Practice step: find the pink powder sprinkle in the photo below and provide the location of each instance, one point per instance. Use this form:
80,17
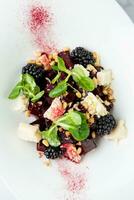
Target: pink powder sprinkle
75,180
39,21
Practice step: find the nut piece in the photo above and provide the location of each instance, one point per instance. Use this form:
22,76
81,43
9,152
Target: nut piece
97,59
67,133
95,81
55,57
60,129
93,135
91,120
31,61
79,150
78,94
65,105
66,49
91,68
27,113
47,162
45,142
78,143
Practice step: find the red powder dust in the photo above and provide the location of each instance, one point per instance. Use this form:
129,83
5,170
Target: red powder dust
39,22
75,180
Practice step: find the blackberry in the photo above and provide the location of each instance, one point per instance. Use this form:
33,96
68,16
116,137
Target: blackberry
54,152
81,56
35,71
105,124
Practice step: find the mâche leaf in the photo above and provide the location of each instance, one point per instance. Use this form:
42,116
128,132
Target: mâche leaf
28,87
80,76
37,96
51,136
15,91
59,89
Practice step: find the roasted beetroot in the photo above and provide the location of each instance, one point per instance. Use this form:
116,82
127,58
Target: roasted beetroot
65,55
88,145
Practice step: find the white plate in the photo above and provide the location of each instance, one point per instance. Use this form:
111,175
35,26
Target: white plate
98,25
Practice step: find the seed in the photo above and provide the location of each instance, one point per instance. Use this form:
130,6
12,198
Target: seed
91,120
27,113
38,63
70,104
91,68
95,81
45,142
79,150
31,61
52,63
60,129
97,58
78,94
47,162
105,91
55,57
111,97
50,56
65,105
107,103
79,143
87,115
66,49
83,93
67,133
37,53
93,135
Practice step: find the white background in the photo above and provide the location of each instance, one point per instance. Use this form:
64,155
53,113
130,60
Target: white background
5,193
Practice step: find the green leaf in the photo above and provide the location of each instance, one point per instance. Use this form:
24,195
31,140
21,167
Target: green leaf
36,89
83,131
16,91
86,83
51,136
61,65
80,76
80,71
75,122
58,90
55,67
28,79
37,96
56,78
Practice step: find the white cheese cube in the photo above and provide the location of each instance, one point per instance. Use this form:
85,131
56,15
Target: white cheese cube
94,105
21,103
29,132
104,77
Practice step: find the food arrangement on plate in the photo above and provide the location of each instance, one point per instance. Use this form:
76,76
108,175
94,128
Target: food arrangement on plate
70,95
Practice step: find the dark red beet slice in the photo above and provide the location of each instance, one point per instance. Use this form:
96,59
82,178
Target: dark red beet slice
88,145
40,146
65,140
43,123
65,55
36,109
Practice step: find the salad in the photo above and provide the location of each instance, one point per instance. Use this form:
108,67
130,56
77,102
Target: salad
69,93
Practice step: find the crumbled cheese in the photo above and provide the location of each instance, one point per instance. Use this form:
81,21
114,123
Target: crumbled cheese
104,77
94,105
55,110
21,103
82,70
119,133
29,132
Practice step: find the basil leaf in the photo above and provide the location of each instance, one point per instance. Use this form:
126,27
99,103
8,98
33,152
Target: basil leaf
61,65
83,131
56,78
51,136
58,90
86,83
37,96
16,91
